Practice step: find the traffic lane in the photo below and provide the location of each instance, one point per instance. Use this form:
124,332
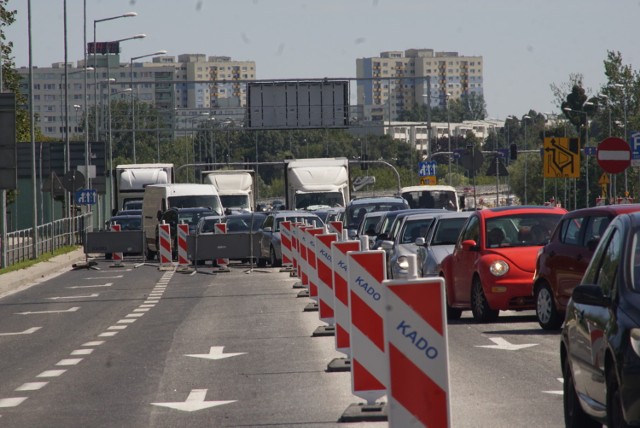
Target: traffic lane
499,387
279,380
52,356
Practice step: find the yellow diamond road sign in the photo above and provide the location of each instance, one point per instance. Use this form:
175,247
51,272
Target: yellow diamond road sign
561,157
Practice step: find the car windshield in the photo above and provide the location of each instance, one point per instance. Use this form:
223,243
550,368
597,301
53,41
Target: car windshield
355,213
191,218
520,230
414,229
447,230
208,224
235,201
128,223
208,201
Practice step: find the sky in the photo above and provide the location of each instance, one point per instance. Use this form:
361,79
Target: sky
526,45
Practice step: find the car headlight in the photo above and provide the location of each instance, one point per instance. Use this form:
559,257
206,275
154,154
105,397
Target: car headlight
499,268
403,262
634,337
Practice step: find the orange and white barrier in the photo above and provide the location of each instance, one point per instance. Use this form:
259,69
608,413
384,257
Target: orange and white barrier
417,349
223,262
369,367
164,252
183,258
302,254
335,227
116,257
342,317
285,240
325,277
312,271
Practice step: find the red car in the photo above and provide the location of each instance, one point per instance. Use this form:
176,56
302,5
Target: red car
493,262
562,262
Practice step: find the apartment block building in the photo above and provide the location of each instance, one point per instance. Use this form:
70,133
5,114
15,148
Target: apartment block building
180,88
397,81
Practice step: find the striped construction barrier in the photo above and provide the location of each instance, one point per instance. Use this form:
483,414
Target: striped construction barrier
369,368
342,317
183,258
285,240
312,271
116,257
164,240
223,263
303,267
324,269
335,227
417,347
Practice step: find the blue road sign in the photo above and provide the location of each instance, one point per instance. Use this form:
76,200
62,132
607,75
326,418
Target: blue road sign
86,197
503,153
427,168
590,151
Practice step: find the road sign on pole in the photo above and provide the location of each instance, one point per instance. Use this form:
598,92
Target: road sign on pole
635,148
614,155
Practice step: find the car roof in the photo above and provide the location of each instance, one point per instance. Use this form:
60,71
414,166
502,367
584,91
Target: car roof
125,216
520,209
605,209
375,199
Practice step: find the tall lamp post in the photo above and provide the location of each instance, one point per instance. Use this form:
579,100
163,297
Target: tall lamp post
447,95
95,64
624,88
133,105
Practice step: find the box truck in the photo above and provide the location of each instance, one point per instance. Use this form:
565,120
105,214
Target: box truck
236,188
317,183
130,181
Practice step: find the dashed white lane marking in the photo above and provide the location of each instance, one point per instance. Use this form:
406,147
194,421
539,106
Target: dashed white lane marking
108,284
93,343
86,351
117,327
108,334
127,321
147,306
139,314
11,402
69,362
141,310
31,386
51,373
104,277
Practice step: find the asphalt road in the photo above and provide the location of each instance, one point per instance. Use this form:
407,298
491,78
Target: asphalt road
140,347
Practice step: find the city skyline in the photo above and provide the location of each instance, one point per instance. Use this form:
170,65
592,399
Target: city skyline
526,48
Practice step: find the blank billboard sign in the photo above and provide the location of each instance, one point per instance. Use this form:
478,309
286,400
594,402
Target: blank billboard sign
8,146
306,104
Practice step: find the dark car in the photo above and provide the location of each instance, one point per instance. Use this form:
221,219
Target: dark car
600,347
190,216
492,264
356,209
126,222
244,222
563,260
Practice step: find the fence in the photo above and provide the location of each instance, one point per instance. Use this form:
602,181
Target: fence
51,236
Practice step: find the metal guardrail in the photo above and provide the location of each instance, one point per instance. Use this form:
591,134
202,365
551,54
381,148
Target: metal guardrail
51,236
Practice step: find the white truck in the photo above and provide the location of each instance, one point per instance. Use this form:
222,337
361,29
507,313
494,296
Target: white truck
235,187
316,183
131,180
431,196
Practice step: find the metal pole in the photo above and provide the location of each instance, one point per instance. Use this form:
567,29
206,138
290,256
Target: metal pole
32,129
133,115
3,192
84,103
449,138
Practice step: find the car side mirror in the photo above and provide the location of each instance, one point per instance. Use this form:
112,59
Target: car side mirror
420,241
469,245
386,245
589,294
353,234
267,229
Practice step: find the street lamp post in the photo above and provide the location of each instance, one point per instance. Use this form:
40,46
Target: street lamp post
133,106
448,136
624,89
95,64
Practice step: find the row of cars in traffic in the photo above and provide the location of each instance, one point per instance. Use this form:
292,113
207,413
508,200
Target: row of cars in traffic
579,270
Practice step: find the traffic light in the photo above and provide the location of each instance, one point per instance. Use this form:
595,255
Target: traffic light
513,151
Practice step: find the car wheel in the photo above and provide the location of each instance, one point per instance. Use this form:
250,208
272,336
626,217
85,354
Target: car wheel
480,308
615,417
273,260
546,311
574,416
453,313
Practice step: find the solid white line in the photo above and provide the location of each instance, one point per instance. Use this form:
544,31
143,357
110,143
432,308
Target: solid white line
51,373
69,362
94,343
11,402
105,277
82,351
108,334
31,386
108,284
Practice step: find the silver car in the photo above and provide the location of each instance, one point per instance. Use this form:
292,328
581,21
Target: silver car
413,226
439,242
269,234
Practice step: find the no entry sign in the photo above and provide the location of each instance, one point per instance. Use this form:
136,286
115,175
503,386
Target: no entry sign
614,155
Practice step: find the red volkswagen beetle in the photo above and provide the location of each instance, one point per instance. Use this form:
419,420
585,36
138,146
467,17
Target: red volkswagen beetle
493,262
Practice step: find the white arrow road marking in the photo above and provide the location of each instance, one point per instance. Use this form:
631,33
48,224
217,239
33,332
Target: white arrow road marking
195,401
216,353
27,331
561,392
74,309
74,297
501,343
108,284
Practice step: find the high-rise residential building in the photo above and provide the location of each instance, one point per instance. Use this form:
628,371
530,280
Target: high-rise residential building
181,89
397,81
